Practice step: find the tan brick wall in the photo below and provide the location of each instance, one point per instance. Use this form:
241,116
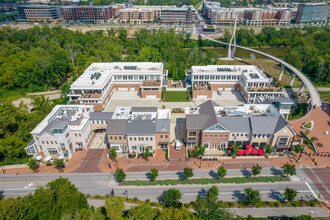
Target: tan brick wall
284,132
144,93
123,140
158,139
98,126
218,139
202,92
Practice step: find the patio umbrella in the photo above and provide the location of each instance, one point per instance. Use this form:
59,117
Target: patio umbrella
254,151
261,152
240,152
248,147
38,157
246,151
48,158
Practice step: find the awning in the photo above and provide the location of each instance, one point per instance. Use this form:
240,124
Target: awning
282,147
239,143
163,143
191,142
246,143
262,144
230,143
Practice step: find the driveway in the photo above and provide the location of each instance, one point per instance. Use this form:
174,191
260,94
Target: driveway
90,163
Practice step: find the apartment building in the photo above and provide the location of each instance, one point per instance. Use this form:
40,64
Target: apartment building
133,129
309,12
88,14
218,127
257,17
137,15
39,13
219,16
63,131
183,15
248,80
100,80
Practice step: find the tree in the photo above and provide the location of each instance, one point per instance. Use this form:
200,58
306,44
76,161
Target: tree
113,153
146,153
222,172
120,175
32,164
289,169
253,196
234,149
9,208
144,211
176,213
290,194
268,149
154,174
298,148
172,197
199,152
59,164
115,206
188,172
256,169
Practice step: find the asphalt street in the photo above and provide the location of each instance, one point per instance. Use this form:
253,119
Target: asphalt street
99,184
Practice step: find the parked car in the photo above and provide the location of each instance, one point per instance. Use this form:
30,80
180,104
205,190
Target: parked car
219,92
177,145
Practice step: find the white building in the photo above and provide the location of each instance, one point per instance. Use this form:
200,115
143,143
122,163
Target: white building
64,130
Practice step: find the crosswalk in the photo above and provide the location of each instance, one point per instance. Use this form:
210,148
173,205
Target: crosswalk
268,164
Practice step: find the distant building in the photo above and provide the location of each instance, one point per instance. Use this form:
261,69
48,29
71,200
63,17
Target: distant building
185,15
257,17
38,13
63,131
308,12
138,15
89,14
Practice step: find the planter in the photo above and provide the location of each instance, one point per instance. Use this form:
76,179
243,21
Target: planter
308,125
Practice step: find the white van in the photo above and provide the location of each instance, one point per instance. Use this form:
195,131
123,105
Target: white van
177,145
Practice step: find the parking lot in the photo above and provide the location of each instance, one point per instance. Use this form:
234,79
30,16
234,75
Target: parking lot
131,98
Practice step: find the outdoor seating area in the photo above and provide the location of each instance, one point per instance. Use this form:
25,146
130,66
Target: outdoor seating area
202,87
249,150
176,84
151,83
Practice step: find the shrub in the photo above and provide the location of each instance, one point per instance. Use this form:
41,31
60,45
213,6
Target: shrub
120,175
188,172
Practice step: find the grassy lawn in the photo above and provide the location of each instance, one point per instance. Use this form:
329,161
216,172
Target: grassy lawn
325,96
176,96
167,182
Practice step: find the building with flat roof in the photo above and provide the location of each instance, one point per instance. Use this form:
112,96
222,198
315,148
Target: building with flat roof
248,80
257,17
174,15
133,129
63,131
39,13
219,127
310,12
88,14
100,80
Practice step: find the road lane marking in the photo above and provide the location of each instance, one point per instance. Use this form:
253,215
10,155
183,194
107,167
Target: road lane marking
30,184
33,181
312,191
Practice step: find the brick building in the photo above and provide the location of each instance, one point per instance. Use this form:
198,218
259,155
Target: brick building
39,13
185,14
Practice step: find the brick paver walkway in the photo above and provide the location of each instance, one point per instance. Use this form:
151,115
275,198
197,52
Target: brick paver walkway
321,179
90,162
177,154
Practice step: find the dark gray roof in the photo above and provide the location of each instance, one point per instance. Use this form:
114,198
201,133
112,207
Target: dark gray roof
196,121
100,115
163,125
267,124
141,127
116,127
207,108
144,109
55,124
236,124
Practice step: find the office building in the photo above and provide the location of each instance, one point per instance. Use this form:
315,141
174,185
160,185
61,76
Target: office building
183,15
65,130
39,13
88,14
100,80
310,13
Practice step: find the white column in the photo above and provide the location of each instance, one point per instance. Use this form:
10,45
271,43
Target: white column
292,78
282,70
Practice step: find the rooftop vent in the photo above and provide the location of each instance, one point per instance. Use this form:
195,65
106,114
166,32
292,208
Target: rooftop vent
130,67
223,69
254,76
97,75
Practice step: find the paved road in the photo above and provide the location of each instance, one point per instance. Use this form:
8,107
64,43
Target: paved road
320,89
315,97
99,184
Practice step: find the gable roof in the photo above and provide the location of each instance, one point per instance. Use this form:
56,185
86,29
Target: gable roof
237,124
116,127
267,124
207,108
196,121
163,125
141,127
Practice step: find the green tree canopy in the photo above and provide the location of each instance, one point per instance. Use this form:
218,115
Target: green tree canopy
172,197
222,172
115,207
120,175
253,196
290,194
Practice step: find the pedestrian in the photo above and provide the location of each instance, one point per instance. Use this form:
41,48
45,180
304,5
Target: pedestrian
109,164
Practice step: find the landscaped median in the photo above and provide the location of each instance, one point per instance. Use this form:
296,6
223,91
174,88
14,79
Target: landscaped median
236,180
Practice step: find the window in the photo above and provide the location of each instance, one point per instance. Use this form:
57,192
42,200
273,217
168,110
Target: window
220,136
206,145
205,135
214,145
210,135
47,142
142,138
75,135
134,138
192,133
124,138
119,137
62,144
139,138
52,151
215,135
241,135
130,138
115,137
79,135
110,137
51,142
245,135
161,136
226,135
150,138
222,146
42,142
146,138
282,141
55,142
116,147
233,135
166,136
133,148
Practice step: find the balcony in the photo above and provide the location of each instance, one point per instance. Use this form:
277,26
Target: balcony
264,89
202,87
91,96
151,83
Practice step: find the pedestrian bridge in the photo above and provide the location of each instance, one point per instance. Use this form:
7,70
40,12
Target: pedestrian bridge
314,95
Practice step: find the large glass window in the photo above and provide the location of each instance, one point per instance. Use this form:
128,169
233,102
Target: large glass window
52,151
282,141
192,134
206,145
